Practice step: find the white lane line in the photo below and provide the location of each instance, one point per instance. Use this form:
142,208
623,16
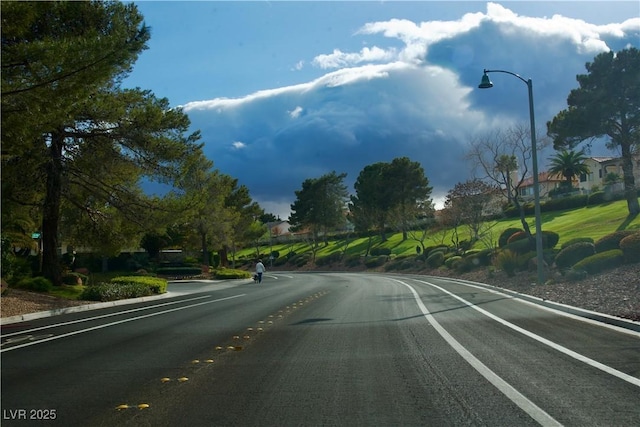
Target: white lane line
106,325
515,295
609,370
102,316
507,389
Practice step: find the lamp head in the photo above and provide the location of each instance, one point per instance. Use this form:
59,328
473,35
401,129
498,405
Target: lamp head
485,83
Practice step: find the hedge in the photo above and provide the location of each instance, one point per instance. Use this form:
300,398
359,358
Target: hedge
155,284
612,241
576,240
435,259
630,246
230,273
600,261
570,255
506,234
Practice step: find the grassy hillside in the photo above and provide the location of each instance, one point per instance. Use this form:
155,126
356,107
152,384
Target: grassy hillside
594,222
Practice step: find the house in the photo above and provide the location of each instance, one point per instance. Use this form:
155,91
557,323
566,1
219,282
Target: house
599,168
546,182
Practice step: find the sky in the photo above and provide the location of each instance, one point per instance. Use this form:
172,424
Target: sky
284,91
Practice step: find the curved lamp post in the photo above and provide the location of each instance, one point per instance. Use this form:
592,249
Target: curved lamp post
486,84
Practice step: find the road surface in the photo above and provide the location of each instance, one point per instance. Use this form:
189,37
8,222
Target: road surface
331,349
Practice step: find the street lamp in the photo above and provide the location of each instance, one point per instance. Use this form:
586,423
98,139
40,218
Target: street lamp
486,84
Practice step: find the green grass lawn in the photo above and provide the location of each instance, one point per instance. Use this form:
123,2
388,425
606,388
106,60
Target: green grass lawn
594,222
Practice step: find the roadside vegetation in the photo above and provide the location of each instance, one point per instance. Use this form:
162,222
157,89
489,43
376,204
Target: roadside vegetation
77,148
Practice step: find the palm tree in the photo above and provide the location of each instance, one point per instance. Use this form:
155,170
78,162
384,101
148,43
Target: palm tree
569,164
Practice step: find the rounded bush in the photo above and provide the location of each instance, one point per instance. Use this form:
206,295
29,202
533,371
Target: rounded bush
576,240
504,236
601,261
570,255
376,261
612,241
435,259
451,261
37,284
630,246
549,239
380,251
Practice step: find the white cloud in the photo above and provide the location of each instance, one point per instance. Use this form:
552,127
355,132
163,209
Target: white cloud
340,59
418,100
296,112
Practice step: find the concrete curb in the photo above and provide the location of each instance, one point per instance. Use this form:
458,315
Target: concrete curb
96,306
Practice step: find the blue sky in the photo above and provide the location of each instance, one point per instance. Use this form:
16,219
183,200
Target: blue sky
285,91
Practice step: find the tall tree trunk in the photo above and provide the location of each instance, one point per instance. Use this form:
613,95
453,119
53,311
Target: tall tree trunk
51,267
630,192
205,250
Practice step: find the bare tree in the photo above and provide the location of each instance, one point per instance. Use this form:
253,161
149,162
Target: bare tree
493,156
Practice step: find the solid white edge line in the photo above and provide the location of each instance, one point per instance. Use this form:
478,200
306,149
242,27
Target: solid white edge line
607,369
102,316
106,325
507,389
520,297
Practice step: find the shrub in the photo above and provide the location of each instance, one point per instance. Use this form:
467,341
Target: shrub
352,261
452,261
375,261
280,261
179,271
597,198
230,273
612,241
155,284
630,246
74,279
480,258
37,284
506,234
329,259
576,240
570,255
601,261
519,243
441,249
507,261
115,291
549,239
435,259
380,251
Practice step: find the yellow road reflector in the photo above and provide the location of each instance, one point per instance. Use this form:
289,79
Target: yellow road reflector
183,379
247,337
209,360
195,361
218,347
249,329
236,337
238,348
231,347
261,322
121,407
143,406
165,379
260,329
270,322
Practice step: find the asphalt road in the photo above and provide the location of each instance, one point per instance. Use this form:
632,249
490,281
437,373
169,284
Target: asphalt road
321,349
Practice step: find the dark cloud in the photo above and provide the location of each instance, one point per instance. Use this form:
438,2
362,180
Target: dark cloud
425,107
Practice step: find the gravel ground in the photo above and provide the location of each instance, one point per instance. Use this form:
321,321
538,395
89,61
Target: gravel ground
616,292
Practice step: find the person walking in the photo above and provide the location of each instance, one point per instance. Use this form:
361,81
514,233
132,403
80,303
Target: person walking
259,270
